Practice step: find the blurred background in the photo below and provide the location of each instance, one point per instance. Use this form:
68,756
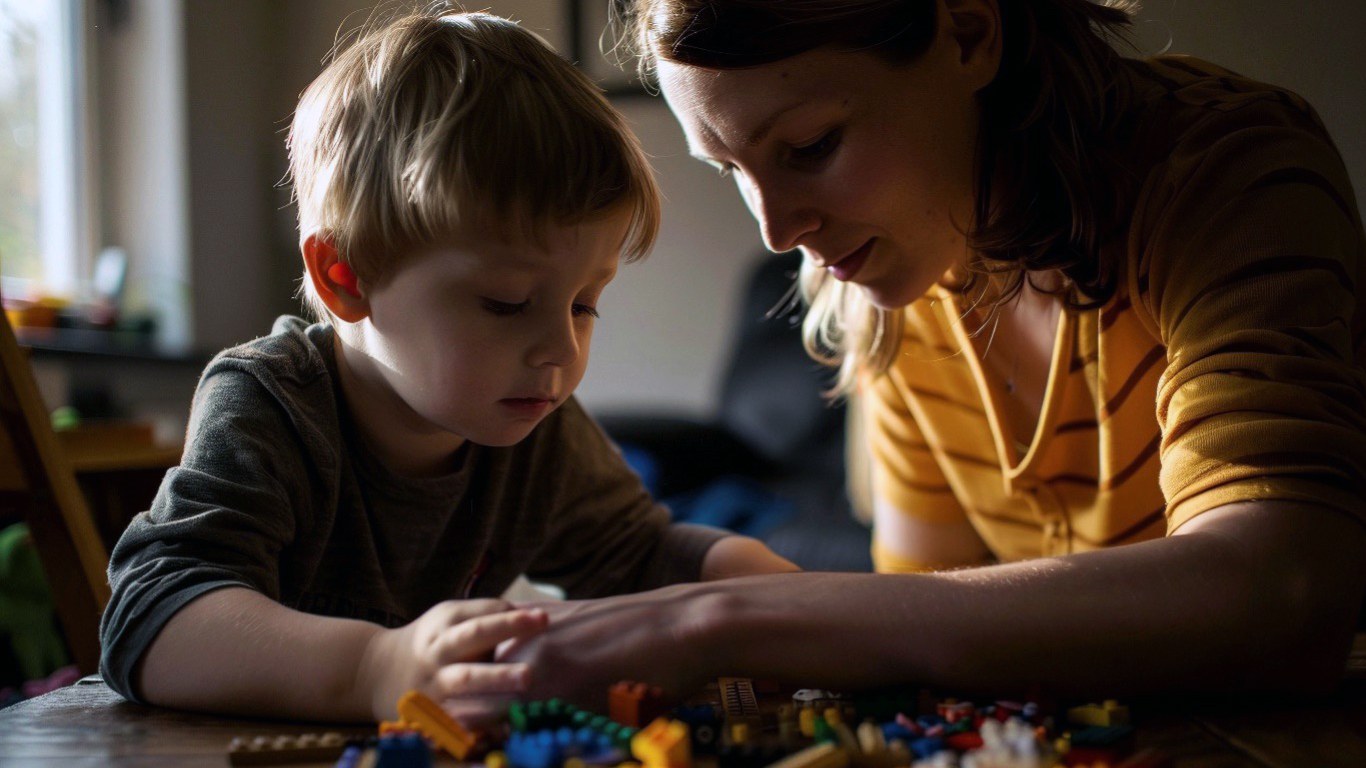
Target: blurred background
142,146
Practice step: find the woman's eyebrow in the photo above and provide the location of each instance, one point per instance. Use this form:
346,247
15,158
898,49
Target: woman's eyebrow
762,130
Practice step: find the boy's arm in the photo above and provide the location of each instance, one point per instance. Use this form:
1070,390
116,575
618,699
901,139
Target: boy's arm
236,651
742,556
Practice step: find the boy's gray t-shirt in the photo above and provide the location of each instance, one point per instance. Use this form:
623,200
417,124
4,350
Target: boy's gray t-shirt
277,492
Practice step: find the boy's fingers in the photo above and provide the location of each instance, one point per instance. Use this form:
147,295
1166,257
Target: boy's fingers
479,712
481,680
464,610
477,637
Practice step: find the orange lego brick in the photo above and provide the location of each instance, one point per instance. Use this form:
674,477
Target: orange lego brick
428,718
635,704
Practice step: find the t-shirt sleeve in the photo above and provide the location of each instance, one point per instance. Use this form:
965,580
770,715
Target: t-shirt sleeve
1251,277
219,519
607,535
906,478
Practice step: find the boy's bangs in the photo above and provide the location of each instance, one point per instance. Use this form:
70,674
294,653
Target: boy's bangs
520,166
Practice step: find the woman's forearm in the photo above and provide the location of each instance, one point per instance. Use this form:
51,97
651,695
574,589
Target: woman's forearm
1219,609
237,651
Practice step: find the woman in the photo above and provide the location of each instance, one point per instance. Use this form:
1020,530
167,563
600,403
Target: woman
1104,318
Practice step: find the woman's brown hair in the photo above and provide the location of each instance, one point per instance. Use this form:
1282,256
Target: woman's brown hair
1046,188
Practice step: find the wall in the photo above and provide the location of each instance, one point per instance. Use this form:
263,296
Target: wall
1314,49
666,322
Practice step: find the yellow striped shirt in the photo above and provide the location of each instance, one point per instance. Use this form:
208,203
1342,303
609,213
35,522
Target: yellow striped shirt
1229,366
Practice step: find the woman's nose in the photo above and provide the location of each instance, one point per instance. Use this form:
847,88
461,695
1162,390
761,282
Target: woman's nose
784,219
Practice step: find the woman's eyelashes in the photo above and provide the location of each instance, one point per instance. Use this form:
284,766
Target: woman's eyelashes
804,156
817,151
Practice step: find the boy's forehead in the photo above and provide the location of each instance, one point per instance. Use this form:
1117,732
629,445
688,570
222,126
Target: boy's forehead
512,250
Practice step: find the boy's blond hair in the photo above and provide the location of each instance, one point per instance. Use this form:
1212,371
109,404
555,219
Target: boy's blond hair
441,120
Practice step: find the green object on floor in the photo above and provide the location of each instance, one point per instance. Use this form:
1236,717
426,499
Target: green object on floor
27,614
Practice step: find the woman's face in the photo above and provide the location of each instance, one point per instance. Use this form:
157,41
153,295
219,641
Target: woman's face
865,166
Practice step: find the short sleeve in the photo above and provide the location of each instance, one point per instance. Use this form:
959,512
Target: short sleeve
1252,276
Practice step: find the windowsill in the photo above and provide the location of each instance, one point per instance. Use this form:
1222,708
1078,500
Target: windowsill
115,345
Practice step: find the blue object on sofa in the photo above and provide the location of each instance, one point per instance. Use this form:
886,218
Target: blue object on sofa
775,446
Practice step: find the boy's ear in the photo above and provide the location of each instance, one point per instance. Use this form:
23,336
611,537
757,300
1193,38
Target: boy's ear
975,26
333,280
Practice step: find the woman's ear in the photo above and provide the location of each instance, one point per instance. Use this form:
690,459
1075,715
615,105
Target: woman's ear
333,281
975,26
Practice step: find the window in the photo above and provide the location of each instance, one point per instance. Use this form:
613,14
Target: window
44,238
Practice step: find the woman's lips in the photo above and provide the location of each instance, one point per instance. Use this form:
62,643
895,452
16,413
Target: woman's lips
847,267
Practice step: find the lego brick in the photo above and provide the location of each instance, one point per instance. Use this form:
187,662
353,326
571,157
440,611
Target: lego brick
428,718
738,700
663,744
1109,712
816,756
285,750
407,750
634,704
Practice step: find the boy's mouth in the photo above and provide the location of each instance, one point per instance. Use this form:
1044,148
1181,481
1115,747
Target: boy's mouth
527,406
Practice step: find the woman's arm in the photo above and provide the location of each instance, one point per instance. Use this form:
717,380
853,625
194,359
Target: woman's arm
1254,595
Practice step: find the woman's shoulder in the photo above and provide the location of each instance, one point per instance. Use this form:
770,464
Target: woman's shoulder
1195,82
1185,102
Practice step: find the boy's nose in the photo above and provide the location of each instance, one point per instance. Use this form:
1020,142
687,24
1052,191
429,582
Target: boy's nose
557,346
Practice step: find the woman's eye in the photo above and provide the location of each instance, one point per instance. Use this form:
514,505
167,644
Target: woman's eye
725,170
502,308
816,150
583,310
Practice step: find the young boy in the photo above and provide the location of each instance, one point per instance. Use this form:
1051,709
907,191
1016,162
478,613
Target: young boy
348,488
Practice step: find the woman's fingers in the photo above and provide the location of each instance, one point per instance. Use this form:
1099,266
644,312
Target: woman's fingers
477,637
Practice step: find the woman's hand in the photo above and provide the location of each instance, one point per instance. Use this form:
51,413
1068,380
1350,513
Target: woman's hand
447,653
653,637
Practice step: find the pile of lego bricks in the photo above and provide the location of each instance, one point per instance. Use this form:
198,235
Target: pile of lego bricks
741,724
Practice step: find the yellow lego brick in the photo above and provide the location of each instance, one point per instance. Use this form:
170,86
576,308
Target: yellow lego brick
806,719
817,756
1108,713
663,744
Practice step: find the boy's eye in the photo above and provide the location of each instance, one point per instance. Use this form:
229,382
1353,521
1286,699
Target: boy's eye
583,310
502,308
816,150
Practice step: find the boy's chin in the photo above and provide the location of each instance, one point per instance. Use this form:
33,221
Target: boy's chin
503,437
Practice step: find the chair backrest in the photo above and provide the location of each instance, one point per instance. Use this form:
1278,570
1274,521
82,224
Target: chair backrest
36,477
771,393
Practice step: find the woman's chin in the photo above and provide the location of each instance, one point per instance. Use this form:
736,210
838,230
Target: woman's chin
893,297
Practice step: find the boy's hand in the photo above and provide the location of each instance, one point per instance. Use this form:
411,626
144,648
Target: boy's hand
742,556
447,653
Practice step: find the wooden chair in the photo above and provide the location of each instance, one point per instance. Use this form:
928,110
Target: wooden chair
36,477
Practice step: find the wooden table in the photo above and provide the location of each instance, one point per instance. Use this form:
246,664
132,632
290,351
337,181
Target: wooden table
87,724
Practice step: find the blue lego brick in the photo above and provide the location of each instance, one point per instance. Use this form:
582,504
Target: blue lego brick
408,750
